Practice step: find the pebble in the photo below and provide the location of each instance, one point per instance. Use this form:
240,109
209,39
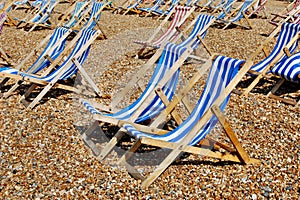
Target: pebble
42,155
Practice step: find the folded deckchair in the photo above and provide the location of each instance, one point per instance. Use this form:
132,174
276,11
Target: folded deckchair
287,70
287,41
149,104
236,16
74,15
186,137
60,69
52,50
288,13
42,18
181,13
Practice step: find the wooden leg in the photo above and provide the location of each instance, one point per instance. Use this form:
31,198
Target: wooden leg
88,141
11,90
230,133
110,145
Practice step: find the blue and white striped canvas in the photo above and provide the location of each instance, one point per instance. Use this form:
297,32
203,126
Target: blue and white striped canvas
169,56
70,67
221,73
241,12
94,16
288,31
41,61
76,14
289,68
227,7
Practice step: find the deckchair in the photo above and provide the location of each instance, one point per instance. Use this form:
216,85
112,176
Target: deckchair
3,54
148,104
181,13
287,70
75,14
147,11
132,7
225,9
259,7
6,8
91,17
67,68
42,18
236,17
213,8
208,111
165,9
52,50
289,12
287,41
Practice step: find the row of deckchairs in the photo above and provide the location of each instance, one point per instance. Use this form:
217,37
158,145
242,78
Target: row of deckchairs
159,100
79,15
57,63
191,134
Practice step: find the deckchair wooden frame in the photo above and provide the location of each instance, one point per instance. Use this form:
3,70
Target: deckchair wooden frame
109,146
54,82
32,53
260,7
238,155
271,65
84,19
9,20
66,17
40,12
149,64
276,87
3,54
247,20
161,26
289,11
127,10
292,16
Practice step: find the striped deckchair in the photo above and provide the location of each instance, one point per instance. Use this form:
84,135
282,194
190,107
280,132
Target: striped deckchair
236,17
91,17
287,70
42,18
166,8
149,104
288,13
53,49
130,8
186,137
56,71
75,16
259,7
225,9
181,13
155,8
287,41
